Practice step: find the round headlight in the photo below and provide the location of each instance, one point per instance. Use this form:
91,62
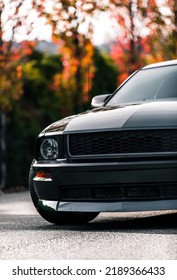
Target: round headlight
49,149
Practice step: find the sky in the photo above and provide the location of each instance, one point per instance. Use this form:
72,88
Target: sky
103,26
105,29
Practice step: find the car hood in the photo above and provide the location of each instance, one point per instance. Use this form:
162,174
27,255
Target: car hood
142,115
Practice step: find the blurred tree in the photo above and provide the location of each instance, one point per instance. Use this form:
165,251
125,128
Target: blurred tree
39,106
68,19
168,44
161,24
105,76
11,19
173,45
139,23
42,104
39,92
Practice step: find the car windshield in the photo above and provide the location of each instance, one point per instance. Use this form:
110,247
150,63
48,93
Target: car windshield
148,84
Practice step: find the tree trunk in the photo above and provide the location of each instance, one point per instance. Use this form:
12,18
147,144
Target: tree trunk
175,29
3,151
132,54
78,102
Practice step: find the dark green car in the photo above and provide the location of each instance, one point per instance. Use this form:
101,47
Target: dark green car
120,156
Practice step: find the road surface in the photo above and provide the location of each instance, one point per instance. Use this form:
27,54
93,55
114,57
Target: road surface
25,235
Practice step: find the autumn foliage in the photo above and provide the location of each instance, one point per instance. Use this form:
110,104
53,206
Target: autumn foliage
11,53
37,89
66,18
146,33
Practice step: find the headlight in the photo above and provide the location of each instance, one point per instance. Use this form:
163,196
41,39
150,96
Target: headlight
49,148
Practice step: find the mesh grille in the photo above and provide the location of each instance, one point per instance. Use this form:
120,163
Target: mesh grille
123,142
120,192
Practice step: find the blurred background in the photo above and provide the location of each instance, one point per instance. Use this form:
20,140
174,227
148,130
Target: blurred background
55,55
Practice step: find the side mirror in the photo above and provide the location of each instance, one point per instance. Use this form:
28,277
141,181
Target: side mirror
99,100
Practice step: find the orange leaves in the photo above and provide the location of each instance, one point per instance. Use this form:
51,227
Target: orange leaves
55,39
69,64
142,34
66,18
14,18
122,78
88,55
75,80
11,74
10,84
19,71
121,20
11,51
72,63
152,3
56,82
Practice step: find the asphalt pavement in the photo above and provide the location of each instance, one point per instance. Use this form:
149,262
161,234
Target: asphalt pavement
113,236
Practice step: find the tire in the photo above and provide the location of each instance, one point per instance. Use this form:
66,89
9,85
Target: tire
59,218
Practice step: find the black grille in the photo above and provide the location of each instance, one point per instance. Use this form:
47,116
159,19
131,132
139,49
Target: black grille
123,142
120,192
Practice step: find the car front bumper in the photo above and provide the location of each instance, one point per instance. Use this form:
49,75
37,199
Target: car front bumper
127,206
109,173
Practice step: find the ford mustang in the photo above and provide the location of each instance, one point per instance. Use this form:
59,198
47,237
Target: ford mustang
119,156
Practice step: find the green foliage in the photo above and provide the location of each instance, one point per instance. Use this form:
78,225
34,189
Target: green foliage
38,80
38,107
105,76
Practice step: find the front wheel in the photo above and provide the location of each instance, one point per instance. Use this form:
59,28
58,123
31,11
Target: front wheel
59,218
